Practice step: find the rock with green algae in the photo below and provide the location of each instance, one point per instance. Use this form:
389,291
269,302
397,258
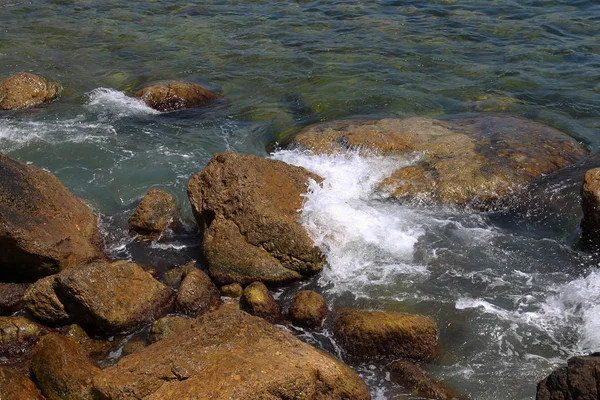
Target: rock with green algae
257,299
155,212
308,309
17,334
247,210
229,354
197,294
167,326
175,95
379,334
16,386
62,369
25,90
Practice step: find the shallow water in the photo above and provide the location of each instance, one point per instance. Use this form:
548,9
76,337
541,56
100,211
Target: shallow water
512,294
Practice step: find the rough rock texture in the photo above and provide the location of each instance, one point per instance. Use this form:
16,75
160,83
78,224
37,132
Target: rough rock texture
43,304
258,301
175,95
233,290
590,203
413,378
197,294
25,90
248,209
167,326
374,334
112,297
17,334
479,161
578,380
11,297
229,354
16,386
175,275
43,227
308,309
94,348
155,212
62,369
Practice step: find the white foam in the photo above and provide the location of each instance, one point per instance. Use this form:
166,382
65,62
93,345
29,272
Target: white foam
117,104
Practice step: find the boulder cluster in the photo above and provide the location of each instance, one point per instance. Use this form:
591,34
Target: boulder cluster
216,332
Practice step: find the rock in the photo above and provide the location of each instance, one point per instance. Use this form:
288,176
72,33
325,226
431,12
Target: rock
43,227
94,348
43,304
17,334
197,294
481,161
156,211
16,386
233,290
133,345
62,369
175,275
378,334
247,209
258,301
11,297
413,378
590,203
112,297
175,95
24,90
308,309
228,354
577,380
167,326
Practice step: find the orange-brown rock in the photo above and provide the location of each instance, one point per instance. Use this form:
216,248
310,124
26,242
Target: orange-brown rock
112,297
62,369
419,383
197,294
43,227
379,334
94,348
308,309
24,90
175,95
248,209
155,212
167,326
16,386
233,290
259,301
42,303
17,334
11,297
590,203
228,354
579,379
480,161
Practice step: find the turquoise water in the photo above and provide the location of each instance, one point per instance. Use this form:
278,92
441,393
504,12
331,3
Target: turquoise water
505,290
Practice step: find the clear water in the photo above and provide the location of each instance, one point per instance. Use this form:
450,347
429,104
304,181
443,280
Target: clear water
512,294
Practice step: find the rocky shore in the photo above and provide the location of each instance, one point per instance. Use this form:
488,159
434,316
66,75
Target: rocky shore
218,332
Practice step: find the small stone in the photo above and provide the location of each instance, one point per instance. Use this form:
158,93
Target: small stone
590,203
155,212
259,301
24,90
175,95
308,309
175,275
233,290
167,326
197,294
43,304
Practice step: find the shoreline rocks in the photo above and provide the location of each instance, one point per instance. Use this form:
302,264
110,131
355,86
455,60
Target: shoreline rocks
25,90
175,95
308,309
579,379
155,212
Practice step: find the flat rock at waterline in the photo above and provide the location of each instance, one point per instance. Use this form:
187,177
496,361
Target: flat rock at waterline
248,210
228,354
43,227
24,90
479,161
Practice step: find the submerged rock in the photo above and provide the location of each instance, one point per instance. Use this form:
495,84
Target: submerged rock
378,334
229,354
155,212
590,203
43,227
308,309
579,379
480,161
17,334
16,386
62,369
43,304
248,209
197,294
175,95
11,297
413,378
24,90
259,301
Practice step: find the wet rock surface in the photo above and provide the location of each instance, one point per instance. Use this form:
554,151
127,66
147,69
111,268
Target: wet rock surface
480,161
17,334
379,334
16,386
43,227
197,294
11,297
233,290
578,380
257,300
590,203
175,95
308,309
154,213
24,90
230,354
167,326
247,209
419,383
42,303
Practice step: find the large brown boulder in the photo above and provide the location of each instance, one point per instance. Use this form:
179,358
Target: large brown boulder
197,294
248,209
11,297
17,334
479,161
155,212
112,297
228,354
25,90
379,334
16,386
42,303
175,95
590,203
43,227
578,380
308,309
62,369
